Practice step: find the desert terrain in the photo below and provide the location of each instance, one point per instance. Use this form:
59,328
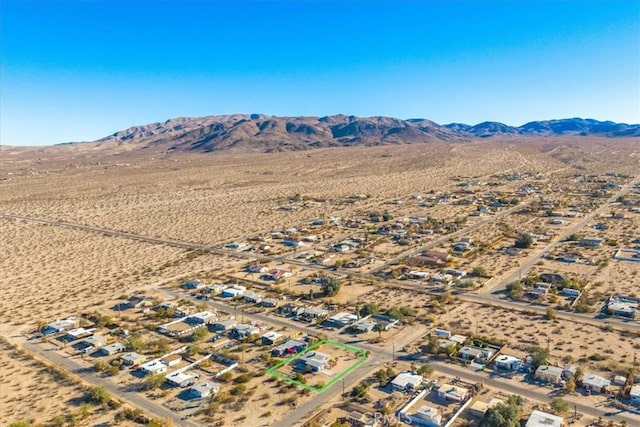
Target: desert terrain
51,271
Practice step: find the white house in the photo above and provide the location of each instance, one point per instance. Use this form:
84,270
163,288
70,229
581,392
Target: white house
204,389
155,366
406,381
180,379
542,419
427,416
507,362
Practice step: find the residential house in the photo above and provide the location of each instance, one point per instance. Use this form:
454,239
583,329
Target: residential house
171,359
77,333
470,352
358,419
59,326
204,389
383,321
258,268
236,245
430,258
314,313
479,408
269,302
288,348
363,326
233,291
252,298
543,419
509,363
132,359
341,319
135,302
112,349
595,383
406,381
313,361
590,242
618,305
180,379
223,325
276,274
241,331
193,284
201,318
271,338
427,416
453,393
94,341
155,366
634,395
549,374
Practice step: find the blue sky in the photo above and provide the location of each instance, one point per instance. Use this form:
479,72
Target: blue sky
80,70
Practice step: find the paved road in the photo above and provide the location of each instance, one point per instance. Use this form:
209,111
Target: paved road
133,398
539,394
539,253
379,355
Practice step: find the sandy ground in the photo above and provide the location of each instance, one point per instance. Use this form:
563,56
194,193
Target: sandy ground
51,272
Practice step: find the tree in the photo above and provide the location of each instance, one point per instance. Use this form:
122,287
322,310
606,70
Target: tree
524,241
331,286
136,343
559,406
369,308
550,314
199,334
515,290
539,356
570,385
503,414
382,378
480,271
396,313
97,395
153,381
426,370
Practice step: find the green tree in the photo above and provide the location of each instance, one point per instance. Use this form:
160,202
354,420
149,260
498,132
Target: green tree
539,356
524,241
369,308
504,414
331,286
558,405
515,289
396,313
136,343
153,381
426,370
97,395
480,271
199,334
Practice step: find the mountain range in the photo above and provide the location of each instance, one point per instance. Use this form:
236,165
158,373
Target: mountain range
263,133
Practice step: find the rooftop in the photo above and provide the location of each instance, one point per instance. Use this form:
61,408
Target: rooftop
542,419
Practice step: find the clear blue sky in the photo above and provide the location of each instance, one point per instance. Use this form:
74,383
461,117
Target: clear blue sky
80,70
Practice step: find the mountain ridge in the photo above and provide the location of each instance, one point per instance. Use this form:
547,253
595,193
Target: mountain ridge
265,133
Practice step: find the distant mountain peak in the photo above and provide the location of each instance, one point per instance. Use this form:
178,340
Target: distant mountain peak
264,133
